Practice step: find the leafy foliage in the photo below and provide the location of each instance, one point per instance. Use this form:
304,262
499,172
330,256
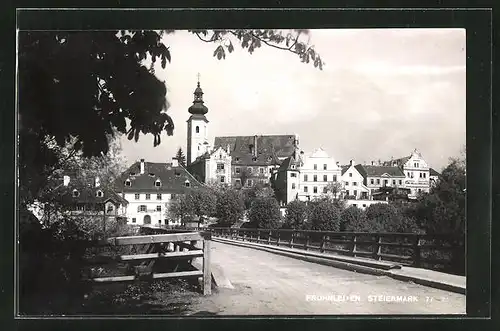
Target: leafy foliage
256,191
383,217
200,203
334,188
296,214
352,219
252,39
181,158
264,213
229,207
324,215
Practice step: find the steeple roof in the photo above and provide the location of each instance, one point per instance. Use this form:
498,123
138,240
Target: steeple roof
198,108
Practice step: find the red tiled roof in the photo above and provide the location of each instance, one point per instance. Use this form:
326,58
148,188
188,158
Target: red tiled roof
378,171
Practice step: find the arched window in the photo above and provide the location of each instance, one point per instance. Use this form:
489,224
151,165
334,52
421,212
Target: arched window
158,183
99,194
127,182
76,193
197,129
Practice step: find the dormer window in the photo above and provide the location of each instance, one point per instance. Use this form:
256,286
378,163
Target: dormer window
254,159
132,174
187,183
151,175
158,183
293,166
76,193
177,174
127,183
99,194
237,159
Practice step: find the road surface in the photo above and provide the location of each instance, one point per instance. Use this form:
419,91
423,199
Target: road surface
270,284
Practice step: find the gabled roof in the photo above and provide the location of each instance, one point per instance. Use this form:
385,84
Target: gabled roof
172,179
344,169
87,194
379,171
399,162
287,163
269,148
433,172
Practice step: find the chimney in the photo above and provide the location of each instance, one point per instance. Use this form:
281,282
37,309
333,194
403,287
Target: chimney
373,162
65,180
142,166
97,182
228,149
175,162
255,145
351,162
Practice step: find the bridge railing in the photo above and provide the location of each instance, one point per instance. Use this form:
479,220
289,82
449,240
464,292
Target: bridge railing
147,256
417,250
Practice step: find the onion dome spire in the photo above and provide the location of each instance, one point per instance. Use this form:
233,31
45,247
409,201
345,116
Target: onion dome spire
198,107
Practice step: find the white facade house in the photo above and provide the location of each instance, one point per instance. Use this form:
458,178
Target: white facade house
353,183
150,188
213,167
416,171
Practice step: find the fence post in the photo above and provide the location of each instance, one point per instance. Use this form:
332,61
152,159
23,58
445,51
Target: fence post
376,248
244,235
322,245
416,252
258,236
306,240
354,246
269,237
291,239
207,275
278,243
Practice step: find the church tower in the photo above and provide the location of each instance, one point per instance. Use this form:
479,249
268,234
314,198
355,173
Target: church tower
197,127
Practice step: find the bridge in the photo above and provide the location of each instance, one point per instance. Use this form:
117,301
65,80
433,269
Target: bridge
263,272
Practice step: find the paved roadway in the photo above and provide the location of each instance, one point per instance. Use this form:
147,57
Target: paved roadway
271,284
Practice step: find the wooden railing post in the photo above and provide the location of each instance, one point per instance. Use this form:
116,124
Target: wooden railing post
322,245
377,248
354,246
306,240
416,252
278,242
244,235
258,236
291,239
269,237
207,274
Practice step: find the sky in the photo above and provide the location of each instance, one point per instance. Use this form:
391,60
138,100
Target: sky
381,94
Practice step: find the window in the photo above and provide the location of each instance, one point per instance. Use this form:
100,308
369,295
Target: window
237,170
197,129
76,193
393,182
220,166
127,183
305,178
133,220
350,174
315,189
222,179
137,196
372,181
325,178
415,164
80,207
249,182
99,194
305,189
293,186
293,166
159,221
187,183
378,181
400,182
261,170
177,174
346,183
158,208
158,183
364,205
355,193
148,196
237,181
424,175
347,192
173,196
355,205
354,183
324,166
254,159
158,196
334,178
315,167
385,182
237,159
142,208
325,189
293,174
315,178
249,170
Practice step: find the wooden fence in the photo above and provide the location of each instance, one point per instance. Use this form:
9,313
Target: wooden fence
418,250
153,251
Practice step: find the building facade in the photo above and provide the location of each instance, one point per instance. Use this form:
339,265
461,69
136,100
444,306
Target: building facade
197,128
150,188
378,176
353,183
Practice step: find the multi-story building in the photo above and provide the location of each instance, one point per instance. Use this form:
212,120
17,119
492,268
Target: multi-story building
306,177
353,184
433,177
416,171
236,160
378,176
79,197
150,187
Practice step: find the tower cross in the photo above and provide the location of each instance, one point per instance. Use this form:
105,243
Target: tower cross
198,77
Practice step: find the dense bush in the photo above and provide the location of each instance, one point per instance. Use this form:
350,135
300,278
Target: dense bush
229,206
352,219
296,215
324,215
264,213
